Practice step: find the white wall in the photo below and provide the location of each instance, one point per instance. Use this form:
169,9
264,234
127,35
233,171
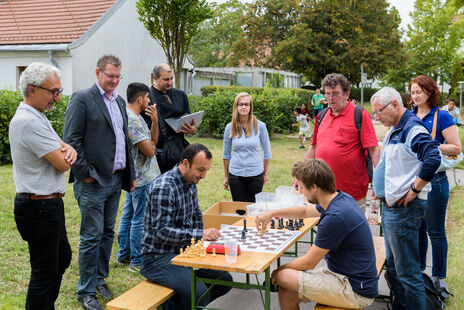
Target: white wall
9,61
124,36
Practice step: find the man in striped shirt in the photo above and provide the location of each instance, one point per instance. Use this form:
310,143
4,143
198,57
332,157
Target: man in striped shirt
172,218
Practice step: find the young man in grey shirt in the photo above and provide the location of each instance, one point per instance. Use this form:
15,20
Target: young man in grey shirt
40,159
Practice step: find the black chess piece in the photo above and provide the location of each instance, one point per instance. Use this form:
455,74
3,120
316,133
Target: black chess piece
244,225
301,222
296,225
243,235
272,224
281,223
286,224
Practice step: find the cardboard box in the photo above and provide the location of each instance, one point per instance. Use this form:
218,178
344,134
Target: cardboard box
223,212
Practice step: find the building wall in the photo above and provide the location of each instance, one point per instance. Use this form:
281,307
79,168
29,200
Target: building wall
10,61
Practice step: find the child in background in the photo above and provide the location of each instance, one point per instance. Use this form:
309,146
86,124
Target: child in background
305,130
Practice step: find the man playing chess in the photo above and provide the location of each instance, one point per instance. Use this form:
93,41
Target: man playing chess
172,218
343,237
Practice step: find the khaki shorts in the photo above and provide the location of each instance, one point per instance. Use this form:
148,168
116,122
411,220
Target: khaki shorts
329,288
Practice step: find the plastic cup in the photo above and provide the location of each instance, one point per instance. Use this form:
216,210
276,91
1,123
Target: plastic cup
230,248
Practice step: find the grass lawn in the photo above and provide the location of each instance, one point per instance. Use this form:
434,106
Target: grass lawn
14,265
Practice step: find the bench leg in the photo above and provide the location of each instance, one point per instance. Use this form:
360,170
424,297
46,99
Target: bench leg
193,286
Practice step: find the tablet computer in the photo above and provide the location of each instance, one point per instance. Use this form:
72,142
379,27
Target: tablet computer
176,122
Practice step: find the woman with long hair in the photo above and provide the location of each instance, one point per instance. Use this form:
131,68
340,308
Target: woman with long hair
245,168
424,94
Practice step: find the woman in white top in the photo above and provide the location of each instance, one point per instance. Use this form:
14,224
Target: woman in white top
245,168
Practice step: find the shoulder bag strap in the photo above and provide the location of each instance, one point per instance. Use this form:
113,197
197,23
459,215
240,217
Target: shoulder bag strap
434,127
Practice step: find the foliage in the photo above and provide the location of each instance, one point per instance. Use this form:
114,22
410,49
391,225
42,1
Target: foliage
337,36
266,23
433,42
173,24
9,101
270,105
212,46
457,76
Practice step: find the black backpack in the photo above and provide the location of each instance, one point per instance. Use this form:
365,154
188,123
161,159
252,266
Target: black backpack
436,291
357,122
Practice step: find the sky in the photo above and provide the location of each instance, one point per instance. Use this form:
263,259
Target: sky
403,7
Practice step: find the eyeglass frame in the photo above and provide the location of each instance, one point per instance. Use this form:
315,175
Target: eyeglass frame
112,77
55,93
378,112
246,104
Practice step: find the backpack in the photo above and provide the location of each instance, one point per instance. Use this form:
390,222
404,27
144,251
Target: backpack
436,291
357,123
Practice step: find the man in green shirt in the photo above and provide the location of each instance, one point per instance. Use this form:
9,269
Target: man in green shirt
318,102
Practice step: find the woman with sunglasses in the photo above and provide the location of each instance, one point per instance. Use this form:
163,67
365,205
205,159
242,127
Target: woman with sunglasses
424,95
245,168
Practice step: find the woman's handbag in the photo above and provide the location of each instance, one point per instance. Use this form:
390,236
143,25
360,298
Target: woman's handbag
447,161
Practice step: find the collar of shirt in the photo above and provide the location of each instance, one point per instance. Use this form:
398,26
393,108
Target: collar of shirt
105,95
431,112
181,178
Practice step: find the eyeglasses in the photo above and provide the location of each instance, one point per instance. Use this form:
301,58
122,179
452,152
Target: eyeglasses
378,112
333,95
244,104
55,92
112,77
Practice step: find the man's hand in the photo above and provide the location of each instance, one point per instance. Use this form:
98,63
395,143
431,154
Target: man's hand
71,154
152,113
226,183
262,219
211,234
407,198
188,128
132,186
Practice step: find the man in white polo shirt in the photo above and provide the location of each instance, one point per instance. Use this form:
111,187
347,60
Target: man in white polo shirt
40,159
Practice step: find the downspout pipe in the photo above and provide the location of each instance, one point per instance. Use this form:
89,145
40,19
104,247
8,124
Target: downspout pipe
52,58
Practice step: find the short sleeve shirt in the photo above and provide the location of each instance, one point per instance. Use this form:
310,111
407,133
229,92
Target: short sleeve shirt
31,138
444,120
338,143
303,123
146,168
343,229
317,99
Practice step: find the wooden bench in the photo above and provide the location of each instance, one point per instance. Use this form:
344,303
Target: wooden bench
144,296
380,257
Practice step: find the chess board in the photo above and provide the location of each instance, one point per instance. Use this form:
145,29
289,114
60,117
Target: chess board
272,241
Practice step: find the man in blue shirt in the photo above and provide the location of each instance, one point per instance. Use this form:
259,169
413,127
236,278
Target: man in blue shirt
408,162
172,218
343,237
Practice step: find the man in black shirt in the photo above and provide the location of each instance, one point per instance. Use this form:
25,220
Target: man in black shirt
170,102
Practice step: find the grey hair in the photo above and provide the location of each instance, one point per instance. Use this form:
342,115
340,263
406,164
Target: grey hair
160,68
36,74
333,79
387,95
108,59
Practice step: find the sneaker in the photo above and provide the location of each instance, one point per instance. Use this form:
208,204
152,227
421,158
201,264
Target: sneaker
105,292
135,268
302,147
122,261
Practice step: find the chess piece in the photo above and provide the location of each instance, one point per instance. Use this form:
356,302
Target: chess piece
272,224
281,223
301,222
244,225
181,252
290,225
203,252
214,251
243,235
192,241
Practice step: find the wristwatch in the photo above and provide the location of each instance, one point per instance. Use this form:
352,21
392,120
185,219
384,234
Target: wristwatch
414,189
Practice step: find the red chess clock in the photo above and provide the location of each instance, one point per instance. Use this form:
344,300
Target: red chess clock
220,249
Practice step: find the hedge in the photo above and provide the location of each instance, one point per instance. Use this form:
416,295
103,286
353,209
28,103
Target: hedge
273,106
9,101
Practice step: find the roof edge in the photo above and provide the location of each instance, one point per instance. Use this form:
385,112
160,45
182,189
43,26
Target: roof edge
34,47
84,37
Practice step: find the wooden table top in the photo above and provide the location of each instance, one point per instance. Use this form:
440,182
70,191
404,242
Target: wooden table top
248,261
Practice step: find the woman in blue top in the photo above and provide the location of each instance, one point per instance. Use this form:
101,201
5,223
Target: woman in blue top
245,171
424,95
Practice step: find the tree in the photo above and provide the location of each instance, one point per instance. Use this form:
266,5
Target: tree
433,42
212,46
266,23
173,23
337,36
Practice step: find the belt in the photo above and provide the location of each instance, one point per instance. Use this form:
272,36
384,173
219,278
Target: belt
39,197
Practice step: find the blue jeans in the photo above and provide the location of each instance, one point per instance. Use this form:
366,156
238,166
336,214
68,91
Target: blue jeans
434,225
158,269
401,226
131,225
317,111
99,207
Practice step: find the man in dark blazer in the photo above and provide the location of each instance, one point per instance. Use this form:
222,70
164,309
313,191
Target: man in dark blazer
96,126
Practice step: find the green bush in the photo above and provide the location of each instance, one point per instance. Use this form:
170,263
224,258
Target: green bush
273,106
9,101
368,92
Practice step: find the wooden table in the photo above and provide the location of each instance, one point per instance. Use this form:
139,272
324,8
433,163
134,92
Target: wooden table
248,262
